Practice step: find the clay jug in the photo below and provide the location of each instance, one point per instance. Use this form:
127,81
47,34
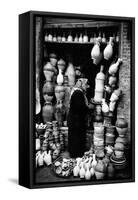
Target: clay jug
50,37
105,107
70,72
95,52
108,51
48,88
87,173
80,38
99,81
41,159
117,38
114,67
112,105
48,71
47,158
70,38
46,37
63,38
60,78
104,39
82,171
54,38
92,171
92,39
76,39
99,37
94,162
76,169
112,80
85,37
47,112
59,92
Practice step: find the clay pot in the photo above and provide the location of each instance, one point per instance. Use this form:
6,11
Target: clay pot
114,67
121,126
48,88
48,71
100,170
59,92
108,51
48,98
121,131
95,53
99,129
121,122
61,64
112,80
47,112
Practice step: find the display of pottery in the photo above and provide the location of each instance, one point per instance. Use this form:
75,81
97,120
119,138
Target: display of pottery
107,139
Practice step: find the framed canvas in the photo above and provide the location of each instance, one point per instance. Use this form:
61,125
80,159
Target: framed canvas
76,99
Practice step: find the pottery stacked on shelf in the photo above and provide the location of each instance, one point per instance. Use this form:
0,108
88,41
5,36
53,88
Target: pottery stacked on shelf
98,140
119,158
48,88
110,135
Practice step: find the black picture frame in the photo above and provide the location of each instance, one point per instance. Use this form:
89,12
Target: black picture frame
27,96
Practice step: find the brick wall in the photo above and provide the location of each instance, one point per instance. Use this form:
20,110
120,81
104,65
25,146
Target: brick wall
124,74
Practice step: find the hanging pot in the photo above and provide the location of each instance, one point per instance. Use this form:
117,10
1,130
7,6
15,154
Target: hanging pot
108,51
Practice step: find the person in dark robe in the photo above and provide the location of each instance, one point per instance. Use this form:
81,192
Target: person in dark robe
77,118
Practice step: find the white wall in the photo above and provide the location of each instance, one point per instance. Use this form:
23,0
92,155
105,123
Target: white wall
9,11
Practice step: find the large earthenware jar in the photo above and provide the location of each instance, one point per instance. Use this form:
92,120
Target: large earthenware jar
47,112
